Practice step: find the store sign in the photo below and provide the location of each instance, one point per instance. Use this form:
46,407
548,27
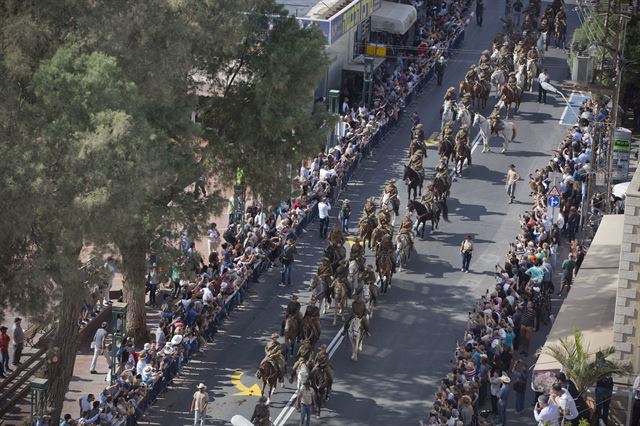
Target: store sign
344,20
621,154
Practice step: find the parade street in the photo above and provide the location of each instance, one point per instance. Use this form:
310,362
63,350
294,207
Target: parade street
415,326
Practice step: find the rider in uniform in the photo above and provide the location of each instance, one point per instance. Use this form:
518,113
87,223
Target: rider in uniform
293,310
358,309
484,72
322,361
390,189
463,135
368,277
416,162
305,352
406,227
313,312
336,237
418,132
450,95
471,76
357,252
544,24
370,206
496,121
273,352
448,132
386,249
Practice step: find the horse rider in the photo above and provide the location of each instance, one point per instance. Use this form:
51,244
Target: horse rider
358,309
312,311
484,72
292,310
368,277
544,24
428,197
415,120
561,17
416,162
336,237
273,352
324,269
496,121
466,100
448,132
386,249
450,95
471,76
322,361
418,133
370,206
406,227
463,135
391,189
305,353
357,253
532,54
384,218
528,24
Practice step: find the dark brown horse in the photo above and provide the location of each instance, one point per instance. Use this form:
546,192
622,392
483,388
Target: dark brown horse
464,88
481,91
510,97
441,187
321,384
310,331
414,181
367,225
463,152
268,374
446,149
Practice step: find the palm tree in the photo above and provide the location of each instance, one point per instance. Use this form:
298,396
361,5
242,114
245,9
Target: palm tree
577,362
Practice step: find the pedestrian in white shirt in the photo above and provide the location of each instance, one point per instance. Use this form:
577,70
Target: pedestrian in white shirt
542,94
323,214
304,172
512,178
99,346
546,414
214,238
565,402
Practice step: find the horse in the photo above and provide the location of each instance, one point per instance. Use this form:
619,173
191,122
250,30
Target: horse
413,180
447,114
310,331
320,383
532,72
465,87
335,255
403,250
508,132
341,295
446,150
463,152
291,334
441,187
509,97
424,213
392,205
542,43
498,78
356,337
302,376
268,374
354,271
481,93
366,227
561,33
385,271
321,291
464,116
376,237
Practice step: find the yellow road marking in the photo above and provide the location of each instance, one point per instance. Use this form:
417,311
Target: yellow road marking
254,390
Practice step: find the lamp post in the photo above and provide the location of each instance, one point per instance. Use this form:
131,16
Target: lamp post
118,333
38,390
334,110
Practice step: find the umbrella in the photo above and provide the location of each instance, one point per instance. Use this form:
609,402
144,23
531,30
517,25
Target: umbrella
620,189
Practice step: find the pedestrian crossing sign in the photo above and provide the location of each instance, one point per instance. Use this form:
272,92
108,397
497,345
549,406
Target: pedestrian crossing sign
553,192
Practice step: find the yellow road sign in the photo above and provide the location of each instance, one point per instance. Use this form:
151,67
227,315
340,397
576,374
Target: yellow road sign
254,390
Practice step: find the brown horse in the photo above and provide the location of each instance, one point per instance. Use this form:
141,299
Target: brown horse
440,187
481,92
310,331
341,295
446,150
462,153
367,225
509,97
291,334
385,271
268,374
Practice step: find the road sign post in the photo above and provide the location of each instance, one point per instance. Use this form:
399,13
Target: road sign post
553,201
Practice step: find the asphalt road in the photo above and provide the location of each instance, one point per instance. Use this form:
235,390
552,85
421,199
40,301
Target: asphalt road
416,325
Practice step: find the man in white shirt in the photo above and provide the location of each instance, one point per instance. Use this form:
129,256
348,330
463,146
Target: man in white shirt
99,345
207,295
544,413
542,78
323,214
565,402
304,172
345,106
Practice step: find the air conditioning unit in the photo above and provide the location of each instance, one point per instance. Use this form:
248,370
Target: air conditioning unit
582,69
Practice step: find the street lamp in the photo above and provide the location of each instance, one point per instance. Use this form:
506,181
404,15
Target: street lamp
38,400
119,332
550,88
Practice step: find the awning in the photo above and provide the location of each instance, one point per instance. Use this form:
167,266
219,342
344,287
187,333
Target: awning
591,303
357,65
393,18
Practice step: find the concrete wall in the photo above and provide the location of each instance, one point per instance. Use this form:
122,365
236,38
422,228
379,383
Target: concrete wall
626,338
340,53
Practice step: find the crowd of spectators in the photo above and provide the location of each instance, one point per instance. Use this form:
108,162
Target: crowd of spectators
491,360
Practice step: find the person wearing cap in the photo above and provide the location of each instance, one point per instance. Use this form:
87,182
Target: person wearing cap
545,413
287,258
4,352
292,310
261,414
99,344
345,214
323,214
199,405
18,340
511,178
358,309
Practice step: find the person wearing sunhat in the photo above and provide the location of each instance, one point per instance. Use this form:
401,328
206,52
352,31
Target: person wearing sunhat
503,396
199,405
293,310
345,214
273,351
313,311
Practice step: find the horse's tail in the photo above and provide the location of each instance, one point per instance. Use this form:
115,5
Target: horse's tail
513,133
445,210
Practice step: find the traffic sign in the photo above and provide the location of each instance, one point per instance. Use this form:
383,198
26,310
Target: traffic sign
553,192
553,201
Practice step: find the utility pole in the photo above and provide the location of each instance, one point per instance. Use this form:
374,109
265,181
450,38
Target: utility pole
620,36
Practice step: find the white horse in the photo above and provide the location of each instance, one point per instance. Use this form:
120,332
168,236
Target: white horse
496,56
464,116
356,337
508,132
447,114
521,77
498,78
403,250
353,275
541,44
302,375
387,203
